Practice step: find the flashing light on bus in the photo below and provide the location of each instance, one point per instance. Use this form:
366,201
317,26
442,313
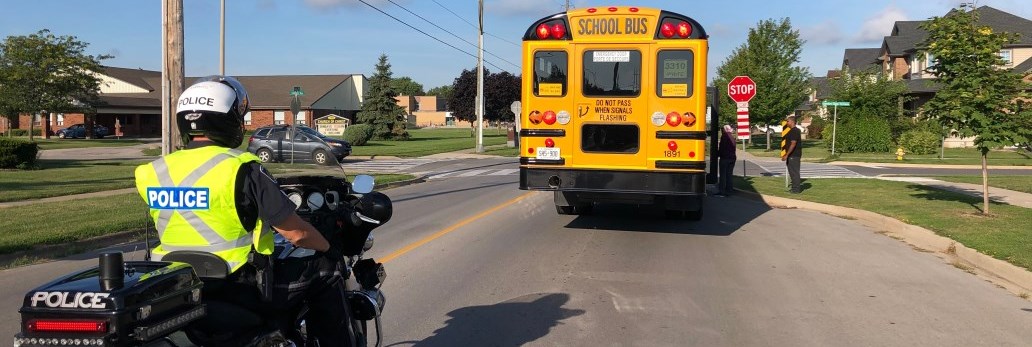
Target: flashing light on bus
556,30
669,30
612,9
592,10
534,117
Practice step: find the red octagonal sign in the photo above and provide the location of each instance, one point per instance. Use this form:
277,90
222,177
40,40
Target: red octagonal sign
741,89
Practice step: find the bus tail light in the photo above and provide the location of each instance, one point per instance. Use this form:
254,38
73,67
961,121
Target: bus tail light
672,145
667,30
548,117
549,143
689,119
530,150
673,119
684,30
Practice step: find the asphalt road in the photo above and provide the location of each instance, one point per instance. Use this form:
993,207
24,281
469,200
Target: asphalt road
472,261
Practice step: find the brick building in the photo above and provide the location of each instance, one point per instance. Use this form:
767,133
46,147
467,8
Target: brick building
429,111
132,99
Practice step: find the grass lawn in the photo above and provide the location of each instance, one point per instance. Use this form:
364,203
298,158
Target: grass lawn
1006,235
1012,182
430,141
818,150
56,143
54,222
66,177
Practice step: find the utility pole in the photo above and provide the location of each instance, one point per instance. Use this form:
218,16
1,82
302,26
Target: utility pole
567,7
222,40
480,82
171,72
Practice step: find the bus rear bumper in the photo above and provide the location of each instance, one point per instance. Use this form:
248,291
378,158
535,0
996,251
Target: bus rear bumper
608,181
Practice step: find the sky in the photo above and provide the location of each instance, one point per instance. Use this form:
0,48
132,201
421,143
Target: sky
311,37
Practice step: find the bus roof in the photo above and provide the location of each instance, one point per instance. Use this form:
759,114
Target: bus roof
616,23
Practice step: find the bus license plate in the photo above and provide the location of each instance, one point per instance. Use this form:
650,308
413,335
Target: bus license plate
548,153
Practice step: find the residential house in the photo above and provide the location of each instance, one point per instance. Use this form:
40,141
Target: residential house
901,58
130,101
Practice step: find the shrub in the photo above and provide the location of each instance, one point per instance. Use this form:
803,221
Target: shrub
17,154
25,132
814,131
358,134
919,141
862,134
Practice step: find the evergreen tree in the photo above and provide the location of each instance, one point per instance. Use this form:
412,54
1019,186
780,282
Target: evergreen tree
380,109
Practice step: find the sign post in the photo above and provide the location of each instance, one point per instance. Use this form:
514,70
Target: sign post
834,122
516,107
295,108
741,89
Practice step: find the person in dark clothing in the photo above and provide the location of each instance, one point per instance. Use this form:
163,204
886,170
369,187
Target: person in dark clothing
793,153
726,156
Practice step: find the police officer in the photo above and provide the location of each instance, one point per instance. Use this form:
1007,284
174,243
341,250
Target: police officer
214,198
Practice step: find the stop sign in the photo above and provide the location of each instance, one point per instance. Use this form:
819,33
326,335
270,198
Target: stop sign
741,89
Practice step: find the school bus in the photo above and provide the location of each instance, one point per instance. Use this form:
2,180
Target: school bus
614,109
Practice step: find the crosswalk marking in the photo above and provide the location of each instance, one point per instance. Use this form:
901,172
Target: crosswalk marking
386,165
811,170
471,173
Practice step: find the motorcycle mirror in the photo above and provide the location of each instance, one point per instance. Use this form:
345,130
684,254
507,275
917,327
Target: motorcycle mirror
363,184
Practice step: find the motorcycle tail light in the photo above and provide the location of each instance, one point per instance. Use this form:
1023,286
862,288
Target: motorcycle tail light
67,326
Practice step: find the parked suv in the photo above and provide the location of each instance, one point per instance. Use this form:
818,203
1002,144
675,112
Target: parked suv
79,131
273,143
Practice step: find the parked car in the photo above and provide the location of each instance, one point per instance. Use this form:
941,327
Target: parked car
79,131
273,143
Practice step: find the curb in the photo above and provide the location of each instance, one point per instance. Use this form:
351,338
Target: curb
1008,276
931,166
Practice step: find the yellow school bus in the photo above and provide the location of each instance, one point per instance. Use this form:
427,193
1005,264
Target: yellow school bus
614,109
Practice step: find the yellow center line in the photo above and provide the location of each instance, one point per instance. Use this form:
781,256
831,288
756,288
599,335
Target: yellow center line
451,228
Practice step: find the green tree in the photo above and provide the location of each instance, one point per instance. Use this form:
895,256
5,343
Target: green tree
872,94
978,98
767,56
462,102
406,86
380,109
442,91
42,73
501,89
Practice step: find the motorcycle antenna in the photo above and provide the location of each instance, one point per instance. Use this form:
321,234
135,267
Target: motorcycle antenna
146,239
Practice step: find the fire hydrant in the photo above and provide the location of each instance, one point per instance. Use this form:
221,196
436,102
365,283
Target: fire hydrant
900,153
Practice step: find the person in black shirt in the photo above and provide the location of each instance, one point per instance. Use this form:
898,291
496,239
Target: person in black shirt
793,153
726,154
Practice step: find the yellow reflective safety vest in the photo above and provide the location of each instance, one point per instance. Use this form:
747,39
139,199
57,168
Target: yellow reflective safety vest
192,198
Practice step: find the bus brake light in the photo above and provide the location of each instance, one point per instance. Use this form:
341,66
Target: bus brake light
673,119
667,30
548,117
684,30
543,31
672,145
549,143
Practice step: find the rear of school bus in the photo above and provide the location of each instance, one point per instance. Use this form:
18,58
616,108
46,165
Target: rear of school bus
614,104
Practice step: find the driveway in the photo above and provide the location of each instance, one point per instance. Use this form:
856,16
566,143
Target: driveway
99,153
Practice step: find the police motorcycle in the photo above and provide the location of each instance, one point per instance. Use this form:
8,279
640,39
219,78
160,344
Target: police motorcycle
160,303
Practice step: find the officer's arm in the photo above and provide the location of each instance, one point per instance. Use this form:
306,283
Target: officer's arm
302,234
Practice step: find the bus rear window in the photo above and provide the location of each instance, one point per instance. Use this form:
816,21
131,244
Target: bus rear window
674,73
609,138
550,73
612,73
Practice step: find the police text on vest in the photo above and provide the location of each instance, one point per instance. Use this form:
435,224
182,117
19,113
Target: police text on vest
178,198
